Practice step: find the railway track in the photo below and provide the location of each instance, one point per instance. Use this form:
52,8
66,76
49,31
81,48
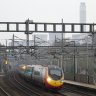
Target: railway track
3,92
33,90
19,87
36,89
27,89
24,89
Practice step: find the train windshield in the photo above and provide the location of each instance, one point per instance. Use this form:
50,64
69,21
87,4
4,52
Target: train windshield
55,73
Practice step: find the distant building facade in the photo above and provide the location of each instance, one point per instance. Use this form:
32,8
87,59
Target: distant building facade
81,39
53,35
40,37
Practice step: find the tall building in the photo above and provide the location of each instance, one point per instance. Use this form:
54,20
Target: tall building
82,20
82,36
83,13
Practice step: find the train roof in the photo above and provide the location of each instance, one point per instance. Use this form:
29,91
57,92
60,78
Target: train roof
49,66
53,66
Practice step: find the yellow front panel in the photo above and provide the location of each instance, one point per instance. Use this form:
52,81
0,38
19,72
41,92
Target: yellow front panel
55,83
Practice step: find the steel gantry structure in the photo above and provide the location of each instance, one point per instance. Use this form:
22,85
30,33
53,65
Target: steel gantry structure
29,27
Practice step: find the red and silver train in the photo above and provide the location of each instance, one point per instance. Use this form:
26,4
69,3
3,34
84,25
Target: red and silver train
51,77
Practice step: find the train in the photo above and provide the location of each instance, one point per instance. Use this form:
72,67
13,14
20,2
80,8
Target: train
50,77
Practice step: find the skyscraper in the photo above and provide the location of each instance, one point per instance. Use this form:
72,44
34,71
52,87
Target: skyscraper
83,13
82,20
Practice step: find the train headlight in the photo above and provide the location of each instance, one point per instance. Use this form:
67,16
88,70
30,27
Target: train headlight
24,67
48,79
6,62
62,81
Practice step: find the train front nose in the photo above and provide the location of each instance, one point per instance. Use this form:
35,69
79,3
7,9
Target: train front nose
54,77
54,84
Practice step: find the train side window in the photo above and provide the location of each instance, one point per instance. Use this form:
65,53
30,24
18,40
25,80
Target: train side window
37,73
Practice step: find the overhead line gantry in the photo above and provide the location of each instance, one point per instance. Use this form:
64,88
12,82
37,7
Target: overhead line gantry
30,27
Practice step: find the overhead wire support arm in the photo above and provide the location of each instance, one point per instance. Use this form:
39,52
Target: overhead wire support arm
27,35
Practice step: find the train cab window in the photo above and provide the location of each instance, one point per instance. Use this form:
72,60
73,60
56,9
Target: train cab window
55,73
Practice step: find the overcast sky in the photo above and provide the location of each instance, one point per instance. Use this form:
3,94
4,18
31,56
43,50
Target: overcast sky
44,10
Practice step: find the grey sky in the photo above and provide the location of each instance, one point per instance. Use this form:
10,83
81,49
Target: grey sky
44,10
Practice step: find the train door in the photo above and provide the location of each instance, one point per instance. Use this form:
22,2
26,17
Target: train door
37,75
44,74
41,70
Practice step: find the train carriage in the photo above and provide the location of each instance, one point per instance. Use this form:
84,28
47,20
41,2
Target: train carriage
48,76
